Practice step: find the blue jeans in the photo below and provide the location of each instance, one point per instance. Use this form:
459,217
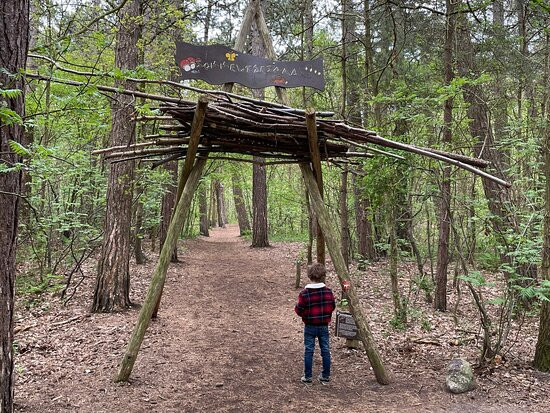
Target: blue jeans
321,332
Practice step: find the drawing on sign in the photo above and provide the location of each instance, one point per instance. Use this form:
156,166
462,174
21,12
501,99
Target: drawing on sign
345,326
217,64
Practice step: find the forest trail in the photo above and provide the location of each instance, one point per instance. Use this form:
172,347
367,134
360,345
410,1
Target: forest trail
227,340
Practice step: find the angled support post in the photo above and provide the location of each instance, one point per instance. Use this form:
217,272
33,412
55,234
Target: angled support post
316,163
159,276
194,140
333,244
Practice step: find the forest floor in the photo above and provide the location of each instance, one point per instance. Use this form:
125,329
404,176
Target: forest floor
227,340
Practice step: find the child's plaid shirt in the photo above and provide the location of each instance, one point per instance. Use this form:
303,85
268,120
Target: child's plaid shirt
315,304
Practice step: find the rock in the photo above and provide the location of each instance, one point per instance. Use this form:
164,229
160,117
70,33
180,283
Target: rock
460,377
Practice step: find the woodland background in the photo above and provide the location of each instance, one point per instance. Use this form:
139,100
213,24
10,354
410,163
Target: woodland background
471,77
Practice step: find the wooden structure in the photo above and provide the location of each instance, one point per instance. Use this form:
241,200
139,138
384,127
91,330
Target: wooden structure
223,125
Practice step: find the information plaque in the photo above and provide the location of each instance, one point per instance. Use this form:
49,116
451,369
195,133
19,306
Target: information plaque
345,326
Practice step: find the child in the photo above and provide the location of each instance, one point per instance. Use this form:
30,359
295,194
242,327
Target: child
315,306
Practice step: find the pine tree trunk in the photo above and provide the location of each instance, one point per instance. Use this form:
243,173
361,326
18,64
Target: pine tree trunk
168,204
242,215
203,212
259,202
259,178
138,234
440,302
542,352
212,220
344,220
14,41
500,201
222,220
112,289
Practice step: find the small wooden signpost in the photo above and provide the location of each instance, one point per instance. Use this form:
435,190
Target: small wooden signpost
345,326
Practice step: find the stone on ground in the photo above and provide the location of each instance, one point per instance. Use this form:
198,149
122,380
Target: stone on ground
460,377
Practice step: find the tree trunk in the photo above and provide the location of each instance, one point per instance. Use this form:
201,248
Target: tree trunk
168,204
500,202
440,302
259,204
203,212
344,220
213,210
242,215
138,233
542,352
399,308
14,42
222,220
259,177
112,289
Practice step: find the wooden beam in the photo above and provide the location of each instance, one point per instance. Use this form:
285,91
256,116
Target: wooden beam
240,41
268,45
159,276
194,139
333,244
316,162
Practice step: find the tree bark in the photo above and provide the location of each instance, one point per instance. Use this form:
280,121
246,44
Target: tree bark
344,220
14,43
542,351
138,234
440,301
222,220
112,289
203,212
242,215
260,232
168,204
259,205
500,202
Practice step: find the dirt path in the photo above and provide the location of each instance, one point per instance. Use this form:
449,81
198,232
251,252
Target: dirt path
227,340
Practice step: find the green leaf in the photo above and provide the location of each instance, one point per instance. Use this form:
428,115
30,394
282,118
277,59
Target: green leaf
10,93
19,149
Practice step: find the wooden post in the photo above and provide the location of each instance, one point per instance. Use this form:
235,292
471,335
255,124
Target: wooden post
298,274
333,244
254,13
157,281
194,139
316,162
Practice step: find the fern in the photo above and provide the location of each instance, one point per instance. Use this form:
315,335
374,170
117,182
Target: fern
19,149
9,117
10,93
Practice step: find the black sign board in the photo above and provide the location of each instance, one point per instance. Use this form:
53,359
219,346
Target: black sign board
217,64
345,325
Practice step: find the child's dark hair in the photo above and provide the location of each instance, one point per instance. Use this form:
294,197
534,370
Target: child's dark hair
317,272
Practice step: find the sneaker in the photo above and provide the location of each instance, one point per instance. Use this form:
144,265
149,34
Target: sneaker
324,380
306,380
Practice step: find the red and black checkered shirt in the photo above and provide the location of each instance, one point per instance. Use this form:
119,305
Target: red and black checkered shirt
315,305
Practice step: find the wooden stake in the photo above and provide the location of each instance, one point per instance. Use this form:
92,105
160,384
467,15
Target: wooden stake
194,139
333,244
316,162
159,276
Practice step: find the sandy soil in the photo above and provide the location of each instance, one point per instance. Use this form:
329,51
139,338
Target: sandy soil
227,340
